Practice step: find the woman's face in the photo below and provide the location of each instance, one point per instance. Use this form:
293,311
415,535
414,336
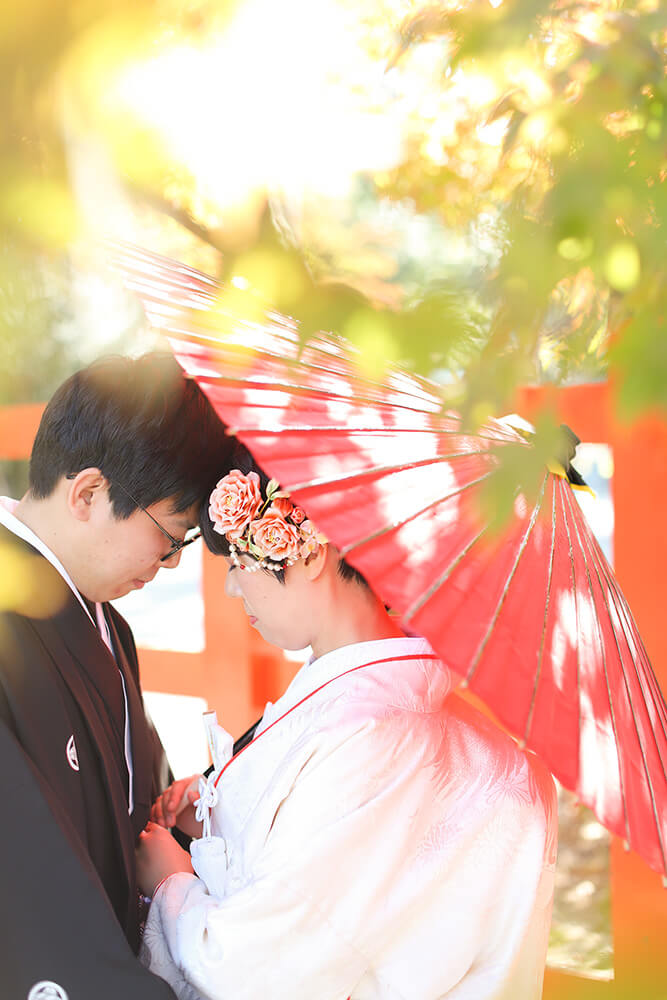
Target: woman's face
279,611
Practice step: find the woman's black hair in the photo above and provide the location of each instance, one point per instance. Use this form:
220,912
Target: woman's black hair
241,459
150,430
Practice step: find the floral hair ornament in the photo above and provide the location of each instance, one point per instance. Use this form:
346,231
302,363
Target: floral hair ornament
272,529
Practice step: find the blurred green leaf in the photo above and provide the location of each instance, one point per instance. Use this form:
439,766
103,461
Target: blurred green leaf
527,184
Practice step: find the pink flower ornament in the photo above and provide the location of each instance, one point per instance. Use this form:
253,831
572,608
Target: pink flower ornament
311,539
283,506
275,537
234,503
271,530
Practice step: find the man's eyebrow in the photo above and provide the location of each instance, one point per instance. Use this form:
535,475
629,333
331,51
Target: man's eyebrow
181,519
187,523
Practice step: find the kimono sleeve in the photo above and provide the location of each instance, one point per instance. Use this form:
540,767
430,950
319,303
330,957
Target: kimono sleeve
382,862
58,929
273,935
330,887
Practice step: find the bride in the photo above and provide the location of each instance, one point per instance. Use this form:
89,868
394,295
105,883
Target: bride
378,837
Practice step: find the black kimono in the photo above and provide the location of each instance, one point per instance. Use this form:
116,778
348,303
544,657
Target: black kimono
69,915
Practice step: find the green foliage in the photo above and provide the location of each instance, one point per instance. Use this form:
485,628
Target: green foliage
516,234
34,358
521,469
640,355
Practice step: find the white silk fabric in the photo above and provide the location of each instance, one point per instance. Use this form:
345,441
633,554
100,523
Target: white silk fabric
382,839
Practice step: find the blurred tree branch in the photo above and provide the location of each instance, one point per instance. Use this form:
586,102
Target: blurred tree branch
517,235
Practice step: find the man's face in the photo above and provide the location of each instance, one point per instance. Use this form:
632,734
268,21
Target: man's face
120,555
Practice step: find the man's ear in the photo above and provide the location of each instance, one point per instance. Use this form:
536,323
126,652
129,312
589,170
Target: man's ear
313,564
83,491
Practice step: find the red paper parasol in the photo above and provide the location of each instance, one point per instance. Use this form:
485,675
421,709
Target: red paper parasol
533,619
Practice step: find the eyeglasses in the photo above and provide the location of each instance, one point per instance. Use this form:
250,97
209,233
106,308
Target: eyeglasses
176,545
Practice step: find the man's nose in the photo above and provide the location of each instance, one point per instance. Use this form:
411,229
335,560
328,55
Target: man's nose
173,561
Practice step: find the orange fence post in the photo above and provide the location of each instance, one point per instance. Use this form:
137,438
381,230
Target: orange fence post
18,426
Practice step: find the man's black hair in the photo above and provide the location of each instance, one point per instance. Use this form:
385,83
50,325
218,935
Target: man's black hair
150,430
242,460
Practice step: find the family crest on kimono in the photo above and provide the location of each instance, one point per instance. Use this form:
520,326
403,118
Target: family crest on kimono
378,837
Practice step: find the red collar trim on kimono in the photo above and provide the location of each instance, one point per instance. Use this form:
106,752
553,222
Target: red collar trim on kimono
362,666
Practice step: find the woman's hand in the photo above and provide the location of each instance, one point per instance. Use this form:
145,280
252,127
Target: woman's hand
174,807
158,856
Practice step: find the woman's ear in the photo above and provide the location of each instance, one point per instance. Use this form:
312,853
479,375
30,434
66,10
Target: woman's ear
314,563
83,491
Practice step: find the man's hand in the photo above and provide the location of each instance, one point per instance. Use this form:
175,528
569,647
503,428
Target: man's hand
174,807
158,856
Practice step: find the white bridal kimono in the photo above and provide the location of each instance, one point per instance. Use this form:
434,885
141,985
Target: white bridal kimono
379,838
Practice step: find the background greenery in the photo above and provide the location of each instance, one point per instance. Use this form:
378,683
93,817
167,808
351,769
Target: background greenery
475,189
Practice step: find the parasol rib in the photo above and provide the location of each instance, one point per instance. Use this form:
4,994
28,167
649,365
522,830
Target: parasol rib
606,676
573,578
540,658
649,677
630,705
257,354
428,594
625,614
385,529
307,391
119,251
377,432
152,287
378,470
522,548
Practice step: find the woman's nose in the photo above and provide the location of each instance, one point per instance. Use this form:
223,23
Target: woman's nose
231,586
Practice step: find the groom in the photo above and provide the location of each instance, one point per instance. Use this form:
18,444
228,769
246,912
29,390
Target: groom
118,469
